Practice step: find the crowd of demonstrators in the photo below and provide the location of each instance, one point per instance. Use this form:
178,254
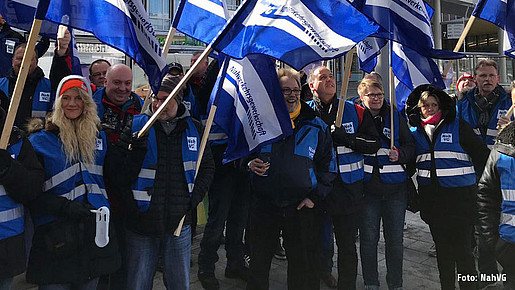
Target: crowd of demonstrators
72,152
356,136
37,97
447,150
289,178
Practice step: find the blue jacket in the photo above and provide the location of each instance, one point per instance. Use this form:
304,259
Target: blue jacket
80,181
467,111
302,165
453,165
506,168
11,212
43,99
190,145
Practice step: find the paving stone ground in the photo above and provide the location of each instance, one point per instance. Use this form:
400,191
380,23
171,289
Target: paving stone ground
419,270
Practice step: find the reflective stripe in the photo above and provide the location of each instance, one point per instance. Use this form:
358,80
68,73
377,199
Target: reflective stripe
383,151
508,194
11,214
443,154
76,192
391,169
477,131
368,168
423,173
455,171
217,136
351,167
61,177
343,150
492,132
2,190
141,195
508,219
147,173
93,168
189,165
95,189
39,114
190,187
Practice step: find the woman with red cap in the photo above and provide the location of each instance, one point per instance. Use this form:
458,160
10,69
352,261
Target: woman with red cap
72,150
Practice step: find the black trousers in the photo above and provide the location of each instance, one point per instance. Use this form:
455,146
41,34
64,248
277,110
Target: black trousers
266,222
505,254
345,229
453,250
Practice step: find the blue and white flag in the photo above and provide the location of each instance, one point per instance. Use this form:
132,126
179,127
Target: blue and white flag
406,22
200,19
368,50
500,13
413,70
20,14
124,25
296,32
74,55
250,105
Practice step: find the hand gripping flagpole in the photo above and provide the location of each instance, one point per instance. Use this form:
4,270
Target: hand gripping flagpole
345,85
459,43
20,83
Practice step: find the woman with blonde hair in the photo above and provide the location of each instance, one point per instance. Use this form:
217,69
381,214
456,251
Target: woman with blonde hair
72,150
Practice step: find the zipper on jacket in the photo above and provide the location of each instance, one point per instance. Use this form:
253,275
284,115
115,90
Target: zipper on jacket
303,136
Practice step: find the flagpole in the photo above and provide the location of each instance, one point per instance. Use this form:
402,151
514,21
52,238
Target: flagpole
20,83
391,91
345,85
459,43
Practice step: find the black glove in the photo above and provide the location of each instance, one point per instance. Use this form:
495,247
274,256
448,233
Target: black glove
129,140
77,210
5,161
341,137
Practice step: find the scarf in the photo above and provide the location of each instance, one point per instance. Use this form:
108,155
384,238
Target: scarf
484,106
294,115
430,124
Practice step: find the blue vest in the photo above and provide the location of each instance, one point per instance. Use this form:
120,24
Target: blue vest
389,172
506,168
79,181
11,212
43,100
147,174
7,46
190,102
350,163
465,110
453,165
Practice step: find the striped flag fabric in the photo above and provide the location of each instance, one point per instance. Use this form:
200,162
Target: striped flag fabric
500,13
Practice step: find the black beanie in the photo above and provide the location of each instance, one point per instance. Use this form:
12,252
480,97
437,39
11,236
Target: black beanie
169,83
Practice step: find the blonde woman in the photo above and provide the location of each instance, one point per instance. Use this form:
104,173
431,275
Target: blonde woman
72,151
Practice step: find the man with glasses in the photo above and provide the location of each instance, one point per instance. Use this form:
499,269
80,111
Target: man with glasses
98,72
484,108
351,140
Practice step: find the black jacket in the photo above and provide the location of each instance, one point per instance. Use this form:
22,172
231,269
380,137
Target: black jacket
27,168
288,175
170,196
447,205
347,198
490,196
64,251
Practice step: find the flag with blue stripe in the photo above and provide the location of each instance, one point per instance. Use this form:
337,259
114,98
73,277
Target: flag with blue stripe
368,50
499,12
250,105
124,25
200,19
20,14
74,55
296,32
406,22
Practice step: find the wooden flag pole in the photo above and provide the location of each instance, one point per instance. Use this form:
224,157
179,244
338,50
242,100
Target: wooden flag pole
166,47
20,83
203,144
345,86
459,43
175,91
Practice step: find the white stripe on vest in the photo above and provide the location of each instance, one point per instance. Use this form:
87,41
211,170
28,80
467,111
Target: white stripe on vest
385,169
61,177
508,194
442,155
446,172
343,150
508,219
147,173
11,214
352,166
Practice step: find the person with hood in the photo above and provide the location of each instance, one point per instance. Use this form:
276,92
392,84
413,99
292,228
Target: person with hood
72,150
17,162
159,187
447,150
289,178
37,98
496,202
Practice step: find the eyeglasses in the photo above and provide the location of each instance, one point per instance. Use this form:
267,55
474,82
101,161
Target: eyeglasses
288,91
375,96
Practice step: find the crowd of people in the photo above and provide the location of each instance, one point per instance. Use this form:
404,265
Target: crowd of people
73,150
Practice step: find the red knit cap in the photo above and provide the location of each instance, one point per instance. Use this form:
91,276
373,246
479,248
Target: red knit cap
73,83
